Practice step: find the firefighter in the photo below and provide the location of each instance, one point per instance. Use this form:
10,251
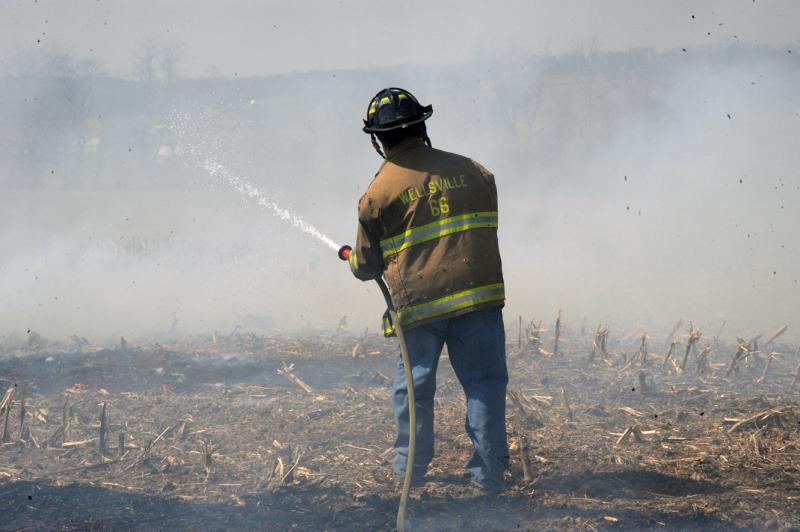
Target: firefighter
428,224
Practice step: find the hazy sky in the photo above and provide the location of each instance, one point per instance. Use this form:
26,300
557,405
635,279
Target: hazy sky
249,38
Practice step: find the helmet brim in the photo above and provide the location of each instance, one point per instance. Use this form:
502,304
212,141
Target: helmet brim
397,125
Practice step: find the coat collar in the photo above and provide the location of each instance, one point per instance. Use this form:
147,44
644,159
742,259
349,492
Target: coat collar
403,146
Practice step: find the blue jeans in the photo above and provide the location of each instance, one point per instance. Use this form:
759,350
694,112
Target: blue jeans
476,346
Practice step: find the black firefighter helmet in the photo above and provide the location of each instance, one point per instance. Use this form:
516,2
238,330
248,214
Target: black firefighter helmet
394,108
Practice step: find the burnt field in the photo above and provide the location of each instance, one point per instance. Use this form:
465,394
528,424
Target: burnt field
608,430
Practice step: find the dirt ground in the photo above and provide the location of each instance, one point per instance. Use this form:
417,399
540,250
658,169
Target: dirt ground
295,432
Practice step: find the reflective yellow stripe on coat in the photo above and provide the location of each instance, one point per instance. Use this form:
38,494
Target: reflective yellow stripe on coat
451,303
437,229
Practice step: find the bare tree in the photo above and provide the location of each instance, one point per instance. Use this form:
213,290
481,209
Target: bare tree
168,60
146,62
57,113
587,81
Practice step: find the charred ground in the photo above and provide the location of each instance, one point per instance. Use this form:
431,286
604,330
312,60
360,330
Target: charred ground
277,432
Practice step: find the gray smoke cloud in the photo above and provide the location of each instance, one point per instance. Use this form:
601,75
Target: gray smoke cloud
642,178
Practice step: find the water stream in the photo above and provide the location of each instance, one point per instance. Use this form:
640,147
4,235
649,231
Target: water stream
191,135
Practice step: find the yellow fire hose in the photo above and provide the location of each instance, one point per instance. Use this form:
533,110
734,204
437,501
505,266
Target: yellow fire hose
344,254
412,409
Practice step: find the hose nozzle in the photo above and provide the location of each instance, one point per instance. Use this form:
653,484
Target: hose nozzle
344,252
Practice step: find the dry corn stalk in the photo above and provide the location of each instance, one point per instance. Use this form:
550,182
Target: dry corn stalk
21,434
641,354
755,350
694,336
642,381
102,441
797,372
287,371
183,429
784,417
767,365
719,331
544,352
533,335
281,474
630,431
755,440
5,403
742,351
669,353
357,350
774,336
65,420
626,363
674,330
207,458
599,343
524,457
525,407
631,411
62,432
5,408
565,404
703,365
557,333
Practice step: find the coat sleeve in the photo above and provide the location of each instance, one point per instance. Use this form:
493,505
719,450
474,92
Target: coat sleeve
491,188
366,259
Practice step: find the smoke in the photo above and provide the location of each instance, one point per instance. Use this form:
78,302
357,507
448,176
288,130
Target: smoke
672,198
200,155
635,188
241,186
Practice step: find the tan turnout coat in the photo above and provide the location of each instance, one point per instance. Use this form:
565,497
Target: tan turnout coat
428,224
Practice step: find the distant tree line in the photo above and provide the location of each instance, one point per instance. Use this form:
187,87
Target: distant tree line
67,122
